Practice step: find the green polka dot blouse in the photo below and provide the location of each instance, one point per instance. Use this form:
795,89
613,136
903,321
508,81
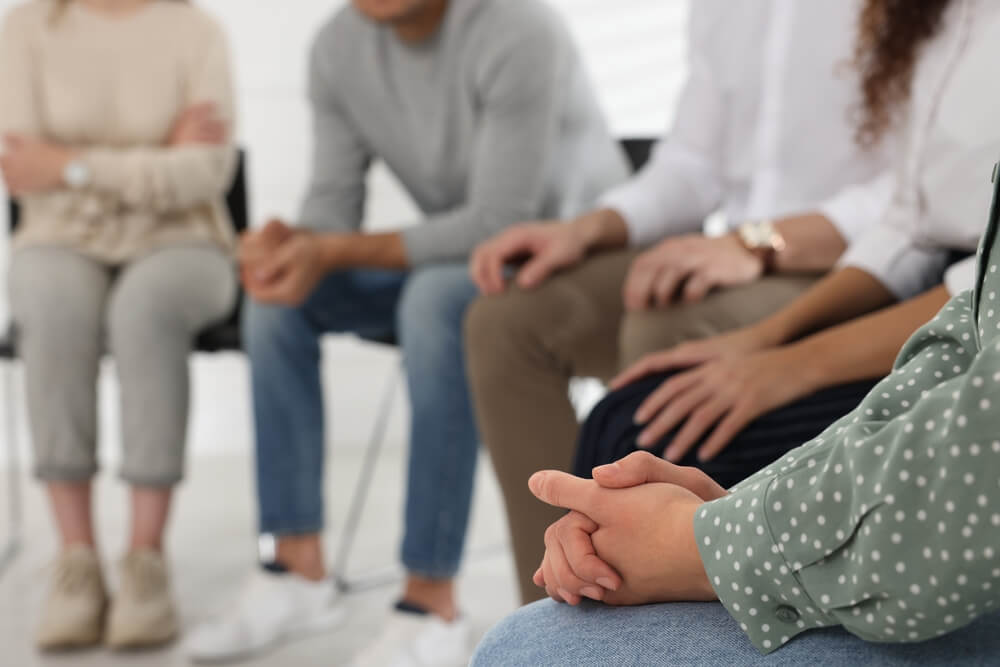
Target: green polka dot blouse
889,522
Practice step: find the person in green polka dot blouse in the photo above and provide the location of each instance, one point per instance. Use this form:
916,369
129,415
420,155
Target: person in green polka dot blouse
887,525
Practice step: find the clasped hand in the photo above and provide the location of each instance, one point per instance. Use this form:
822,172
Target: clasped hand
629,537
280,264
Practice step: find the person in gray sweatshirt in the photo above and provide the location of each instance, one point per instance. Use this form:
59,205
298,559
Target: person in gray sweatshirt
483,111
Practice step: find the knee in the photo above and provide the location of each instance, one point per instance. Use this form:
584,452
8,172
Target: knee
647,332
496,330
268,329
515,640
433,304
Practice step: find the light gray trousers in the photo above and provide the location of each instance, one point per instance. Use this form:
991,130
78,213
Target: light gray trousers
69,308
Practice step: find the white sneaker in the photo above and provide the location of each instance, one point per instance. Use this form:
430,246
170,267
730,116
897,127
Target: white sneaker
418,640
273,608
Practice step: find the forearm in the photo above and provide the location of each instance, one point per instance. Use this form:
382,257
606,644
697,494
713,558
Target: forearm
163,179
841,296
812,244
348,251
864,348
602,229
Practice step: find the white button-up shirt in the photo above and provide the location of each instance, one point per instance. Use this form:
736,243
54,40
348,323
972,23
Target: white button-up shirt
951,141
763,127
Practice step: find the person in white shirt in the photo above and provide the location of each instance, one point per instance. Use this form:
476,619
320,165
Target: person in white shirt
763,133
895,276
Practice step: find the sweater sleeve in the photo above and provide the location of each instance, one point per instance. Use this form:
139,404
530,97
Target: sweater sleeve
521,92
335,198
18,103
167,179
886,524
683,182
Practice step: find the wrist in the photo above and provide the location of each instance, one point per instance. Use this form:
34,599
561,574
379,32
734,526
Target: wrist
68,169
701,585
331,249
762,257
603,228
812,372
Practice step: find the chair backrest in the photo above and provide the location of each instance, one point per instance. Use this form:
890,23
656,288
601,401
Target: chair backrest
638,151
237,200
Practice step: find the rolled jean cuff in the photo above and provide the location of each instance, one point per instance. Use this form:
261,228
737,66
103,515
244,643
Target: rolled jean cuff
291,527
151,481
57,473
429,570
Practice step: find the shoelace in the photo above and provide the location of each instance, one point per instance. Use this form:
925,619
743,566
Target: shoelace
73,577
143,577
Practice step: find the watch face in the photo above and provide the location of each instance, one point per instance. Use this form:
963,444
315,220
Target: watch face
76,175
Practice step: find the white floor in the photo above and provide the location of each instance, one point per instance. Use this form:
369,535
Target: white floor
212,542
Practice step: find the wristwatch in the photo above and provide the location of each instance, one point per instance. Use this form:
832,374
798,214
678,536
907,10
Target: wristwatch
76,174
762,238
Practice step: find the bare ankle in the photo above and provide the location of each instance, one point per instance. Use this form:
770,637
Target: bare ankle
437,596
301,555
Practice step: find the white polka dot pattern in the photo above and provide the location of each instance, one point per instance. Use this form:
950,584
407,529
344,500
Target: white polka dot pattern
889,522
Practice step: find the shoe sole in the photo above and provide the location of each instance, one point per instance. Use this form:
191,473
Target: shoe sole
314,626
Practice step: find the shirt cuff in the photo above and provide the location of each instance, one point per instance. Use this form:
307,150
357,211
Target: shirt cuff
892,257
857,208
748,570
641,213
961,276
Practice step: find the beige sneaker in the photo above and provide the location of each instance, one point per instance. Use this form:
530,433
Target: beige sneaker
142,612
73,615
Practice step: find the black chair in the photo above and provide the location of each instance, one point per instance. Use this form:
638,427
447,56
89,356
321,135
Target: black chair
222,337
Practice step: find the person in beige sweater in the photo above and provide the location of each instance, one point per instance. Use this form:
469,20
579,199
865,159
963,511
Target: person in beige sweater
115,119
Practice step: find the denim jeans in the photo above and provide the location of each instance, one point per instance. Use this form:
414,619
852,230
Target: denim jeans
424,309
702,634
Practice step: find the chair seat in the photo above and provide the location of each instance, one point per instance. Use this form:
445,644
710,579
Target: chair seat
221,338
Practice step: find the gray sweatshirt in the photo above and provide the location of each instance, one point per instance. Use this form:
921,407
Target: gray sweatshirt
490,122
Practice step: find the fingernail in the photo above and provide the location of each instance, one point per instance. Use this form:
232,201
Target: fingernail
607,468
591,592
564,594
533,482
643,440
638,419
608,584
671,456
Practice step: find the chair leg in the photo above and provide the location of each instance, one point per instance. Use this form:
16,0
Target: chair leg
360,497
15,510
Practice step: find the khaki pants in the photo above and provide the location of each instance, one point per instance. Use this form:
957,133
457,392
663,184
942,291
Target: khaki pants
523,348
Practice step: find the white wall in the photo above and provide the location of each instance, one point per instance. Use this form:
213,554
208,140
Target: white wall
633,49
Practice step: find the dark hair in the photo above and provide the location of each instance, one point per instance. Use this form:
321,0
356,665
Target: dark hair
890,36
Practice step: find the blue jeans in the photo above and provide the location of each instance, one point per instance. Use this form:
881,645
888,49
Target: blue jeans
702,634
424,309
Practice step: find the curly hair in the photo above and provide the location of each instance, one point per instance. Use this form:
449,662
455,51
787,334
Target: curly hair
891,34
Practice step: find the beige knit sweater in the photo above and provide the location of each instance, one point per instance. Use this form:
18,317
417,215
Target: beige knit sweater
113,87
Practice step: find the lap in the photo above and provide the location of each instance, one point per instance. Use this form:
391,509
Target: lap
372,302
610,431
722,310
693,634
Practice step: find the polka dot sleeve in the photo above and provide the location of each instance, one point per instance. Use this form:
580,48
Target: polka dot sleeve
889,522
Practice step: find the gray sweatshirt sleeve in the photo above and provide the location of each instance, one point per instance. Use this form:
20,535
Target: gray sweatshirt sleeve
520,87
335,200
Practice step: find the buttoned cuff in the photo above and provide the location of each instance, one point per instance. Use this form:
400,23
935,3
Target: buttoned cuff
857,208
891,256
746,564
645,221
